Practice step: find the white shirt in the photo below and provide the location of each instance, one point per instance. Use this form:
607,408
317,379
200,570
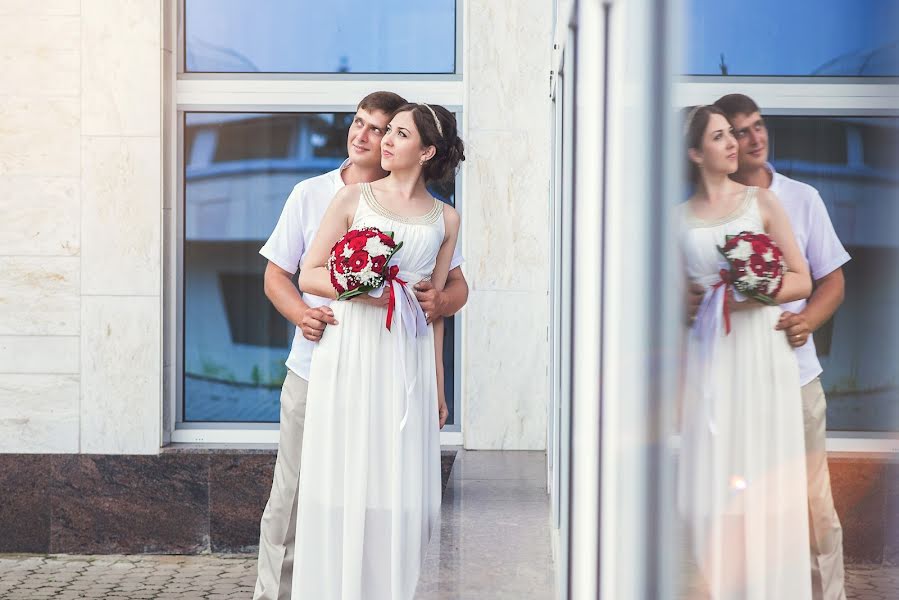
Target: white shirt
819,243
291,239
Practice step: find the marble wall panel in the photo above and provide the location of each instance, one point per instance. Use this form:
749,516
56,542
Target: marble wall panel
121,406
506,212
509,59
25,510
41,136
505,390
39,354
40,55
41,216
38,413
39,295
129,504
121,216
44,7
121,79
859,492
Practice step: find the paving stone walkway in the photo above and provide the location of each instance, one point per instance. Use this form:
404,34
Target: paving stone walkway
226,577
109,577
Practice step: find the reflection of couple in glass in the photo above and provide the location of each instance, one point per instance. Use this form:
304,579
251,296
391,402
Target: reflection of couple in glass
355,520
753,482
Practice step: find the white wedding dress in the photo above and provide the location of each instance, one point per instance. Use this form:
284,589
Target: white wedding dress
370,477
742,485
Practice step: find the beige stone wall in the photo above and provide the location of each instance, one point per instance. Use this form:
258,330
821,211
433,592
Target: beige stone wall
81,200
81,195
506,220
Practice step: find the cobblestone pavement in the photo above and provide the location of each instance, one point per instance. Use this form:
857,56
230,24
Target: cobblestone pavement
156,577
227,577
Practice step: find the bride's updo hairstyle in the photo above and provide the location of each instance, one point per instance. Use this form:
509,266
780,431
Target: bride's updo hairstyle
437,127
696,121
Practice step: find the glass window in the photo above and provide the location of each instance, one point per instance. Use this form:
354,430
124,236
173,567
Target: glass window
239,169
252,319
297,36
857,348
793,37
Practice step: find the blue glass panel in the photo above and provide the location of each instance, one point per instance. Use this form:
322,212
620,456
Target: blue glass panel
852,162
239,169
793,37
304,36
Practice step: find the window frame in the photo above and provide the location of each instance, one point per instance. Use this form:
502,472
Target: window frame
785,96
265,93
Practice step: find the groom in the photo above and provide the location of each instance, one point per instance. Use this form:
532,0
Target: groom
825,255
285,250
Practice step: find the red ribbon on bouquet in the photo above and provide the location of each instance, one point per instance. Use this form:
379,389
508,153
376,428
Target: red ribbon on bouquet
392,275
725,281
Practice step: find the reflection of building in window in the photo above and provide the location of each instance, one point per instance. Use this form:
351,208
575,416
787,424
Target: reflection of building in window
254,139
850,160
881,61
252,319
848,38
240,167
239,170
821,141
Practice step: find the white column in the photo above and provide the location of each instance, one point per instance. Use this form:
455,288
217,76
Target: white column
507,46
121,186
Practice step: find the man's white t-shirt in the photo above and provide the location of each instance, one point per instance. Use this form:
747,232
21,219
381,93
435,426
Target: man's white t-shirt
292,238
819,243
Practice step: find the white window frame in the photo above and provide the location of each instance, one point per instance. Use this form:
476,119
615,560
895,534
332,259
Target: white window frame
804,97
267,92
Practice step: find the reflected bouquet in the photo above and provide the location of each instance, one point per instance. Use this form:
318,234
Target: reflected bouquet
757,266
358,261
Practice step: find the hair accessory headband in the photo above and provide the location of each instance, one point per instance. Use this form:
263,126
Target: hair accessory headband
690,116
436,120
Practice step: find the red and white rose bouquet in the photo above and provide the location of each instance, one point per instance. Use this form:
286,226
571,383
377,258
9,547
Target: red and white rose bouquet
757,266
358,261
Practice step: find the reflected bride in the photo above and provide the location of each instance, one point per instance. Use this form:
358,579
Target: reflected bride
742,473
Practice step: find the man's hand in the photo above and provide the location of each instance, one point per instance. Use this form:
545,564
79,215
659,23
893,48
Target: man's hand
314,322
695,293
796,328
430,299
383,300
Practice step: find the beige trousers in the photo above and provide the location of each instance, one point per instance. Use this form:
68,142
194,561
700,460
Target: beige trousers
277,529
824,525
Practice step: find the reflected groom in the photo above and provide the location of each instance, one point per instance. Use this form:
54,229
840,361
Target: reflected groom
825,256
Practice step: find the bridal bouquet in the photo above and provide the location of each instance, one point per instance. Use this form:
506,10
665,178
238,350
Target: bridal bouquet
358,261
756,264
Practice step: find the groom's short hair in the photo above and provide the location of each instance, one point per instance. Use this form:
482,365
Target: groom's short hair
737,104
386,102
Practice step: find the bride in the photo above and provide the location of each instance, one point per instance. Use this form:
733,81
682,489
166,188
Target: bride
742,480
370,476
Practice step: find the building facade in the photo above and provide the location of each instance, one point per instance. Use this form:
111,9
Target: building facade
148,147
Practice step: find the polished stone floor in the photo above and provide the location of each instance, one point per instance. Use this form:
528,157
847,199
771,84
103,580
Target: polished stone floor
494,539
493,543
